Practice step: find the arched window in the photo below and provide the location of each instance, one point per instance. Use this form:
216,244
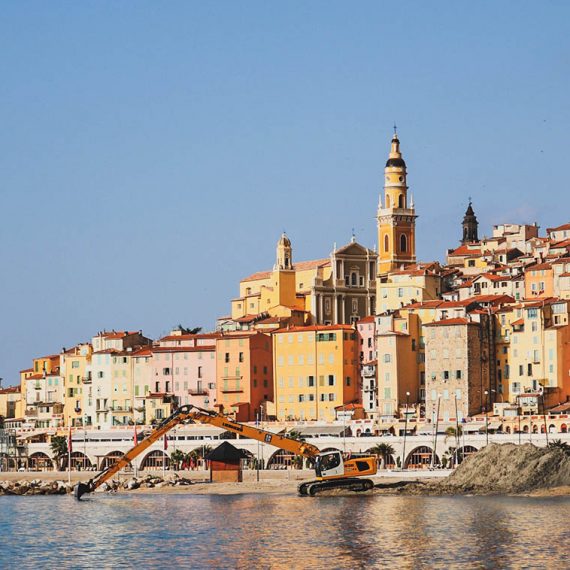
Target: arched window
403,243
353,278
401,201
387,201
386,243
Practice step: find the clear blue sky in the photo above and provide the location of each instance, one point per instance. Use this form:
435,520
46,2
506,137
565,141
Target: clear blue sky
151,153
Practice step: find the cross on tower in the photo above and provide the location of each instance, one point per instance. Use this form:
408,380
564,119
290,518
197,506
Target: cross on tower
395,128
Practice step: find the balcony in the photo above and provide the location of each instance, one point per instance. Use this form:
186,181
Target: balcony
198,392
37,386
102,408
87,379
114,409
31,413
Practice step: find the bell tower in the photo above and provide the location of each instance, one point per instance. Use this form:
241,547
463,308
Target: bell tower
470,225
284,257
396,216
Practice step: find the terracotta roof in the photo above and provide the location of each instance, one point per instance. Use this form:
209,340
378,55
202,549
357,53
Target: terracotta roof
561,408
365,320
517,323
351,406
146,351
204,348
10,390
300,266
445,322
27,370
539,266
424,305
315,328
466,250
558,229
117,334
496,299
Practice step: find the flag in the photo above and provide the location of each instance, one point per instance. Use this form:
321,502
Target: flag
165,443
136,437
69,444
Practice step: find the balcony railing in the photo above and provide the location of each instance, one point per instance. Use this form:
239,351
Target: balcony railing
198,392
86,379
120,409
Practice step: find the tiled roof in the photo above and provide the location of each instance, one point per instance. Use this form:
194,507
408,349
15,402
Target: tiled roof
466,250
316,328
558,229
300,266
445,322
204,348
365,320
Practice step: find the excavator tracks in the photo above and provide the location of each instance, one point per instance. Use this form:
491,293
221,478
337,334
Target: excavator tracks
312,488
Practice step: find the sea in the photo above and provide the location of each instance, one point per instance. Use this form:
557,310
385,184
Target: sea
283,531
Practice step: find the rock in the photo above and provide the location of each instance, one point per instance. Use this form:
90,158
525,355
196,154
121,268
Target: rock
133,484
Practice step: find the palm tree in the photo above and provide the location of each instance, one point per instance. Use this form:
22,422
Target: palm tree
453,432
186,330
59,449
449,457
177,457
383,450
295,434
559,444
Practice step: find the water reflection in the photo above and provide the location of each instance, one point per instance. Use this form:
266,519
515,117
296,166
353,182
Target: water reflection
259,531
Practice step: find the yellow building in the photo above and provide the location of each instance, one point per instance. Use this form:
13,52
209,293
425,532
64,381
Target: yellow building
11,403
415,284
77,382
401,366
396,217
539,351
316,370
338,290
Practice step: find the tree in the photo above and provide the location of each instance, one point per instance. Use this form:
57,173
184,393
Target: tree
383,450
295,434
451,431
186,330
449,457
59,449
177,457
559,444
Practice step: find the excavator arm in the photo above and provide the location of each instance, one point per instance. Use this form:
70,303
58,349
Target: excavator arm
189,414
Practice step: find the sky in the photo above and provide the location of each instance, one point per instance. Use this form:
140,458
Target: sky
152,153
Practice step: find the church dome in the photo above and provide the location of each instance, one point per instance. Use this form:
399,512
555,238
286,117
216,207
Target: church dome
399,162
284,240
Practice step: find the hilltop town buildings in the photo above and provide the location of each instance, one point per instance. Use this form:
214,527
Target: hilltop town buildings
369,331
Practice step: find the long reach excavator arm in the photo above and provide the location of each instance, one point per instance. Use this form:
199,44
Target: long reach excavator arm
332,469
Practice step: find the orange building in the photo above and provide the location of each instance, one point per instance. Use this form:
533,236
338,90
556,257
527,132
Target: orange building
539,281
244,374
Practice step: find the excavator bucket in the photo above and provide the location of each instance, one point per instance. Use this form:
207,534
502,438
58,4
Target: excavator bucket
80,489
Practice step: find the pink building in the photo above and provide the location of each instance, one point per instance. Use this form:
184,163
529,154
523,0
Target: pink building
185,365
366,329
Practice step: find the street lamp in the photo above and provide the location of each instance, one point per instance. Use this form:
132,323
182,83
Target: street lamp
486,417
405,430
435,433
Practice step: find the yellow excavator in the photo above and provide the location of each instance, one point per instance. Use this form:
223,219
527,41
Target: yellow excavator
333,469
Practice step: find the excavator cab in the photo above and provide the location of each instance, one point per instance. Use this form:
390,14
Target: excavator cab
329,464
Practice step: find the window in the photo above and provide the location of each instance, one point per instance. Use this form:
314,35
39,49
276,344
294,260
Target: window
386,238
446,374
311,381
403,242
227,357
458,374
387,358
348,380
240,357
331,380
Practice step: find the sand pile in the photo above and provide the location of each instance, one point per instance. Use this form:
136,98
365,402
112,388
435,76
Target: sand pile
506,468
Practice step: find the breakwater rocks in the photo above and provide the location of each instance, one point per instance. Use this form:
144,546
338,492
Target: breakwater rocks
39,487
147,482
35,487
503,469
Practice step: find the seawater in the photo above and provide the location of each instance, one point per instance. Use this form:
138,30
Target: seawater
283,531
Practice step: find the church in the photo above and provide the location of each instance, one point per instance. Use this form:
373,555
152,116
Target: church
338,289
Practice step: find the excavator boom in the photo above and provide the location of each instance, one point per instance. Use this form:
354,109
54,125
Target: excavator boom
186,414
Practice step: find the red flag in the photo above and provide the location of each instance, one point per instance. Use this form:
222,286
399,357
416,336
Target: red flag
165,443
136,438
69,444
